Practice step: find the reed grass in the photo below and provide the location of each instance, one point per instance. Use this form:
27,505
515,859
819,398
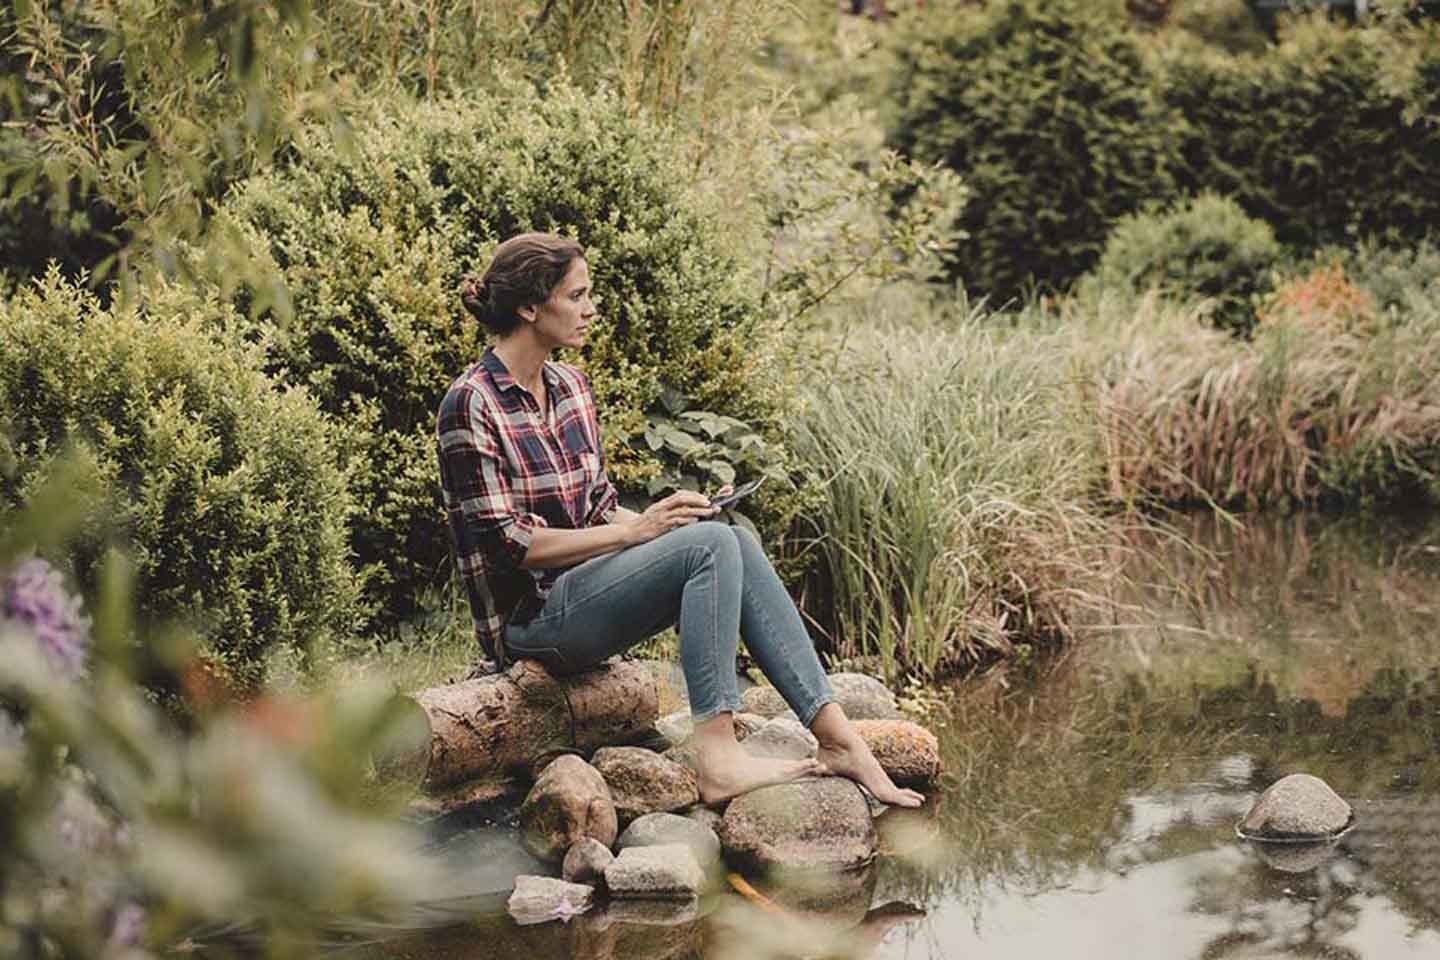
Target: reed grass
957,523
1308,412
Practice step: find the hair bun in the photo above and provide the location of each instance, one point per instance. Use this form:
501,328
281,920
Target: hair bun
475,294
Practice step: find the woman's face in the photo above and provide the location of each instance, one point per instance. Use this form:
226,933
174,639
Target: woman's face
562,320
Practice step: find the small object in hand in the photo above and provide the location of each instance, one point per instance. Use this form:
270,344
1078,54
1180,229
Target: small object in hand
744,490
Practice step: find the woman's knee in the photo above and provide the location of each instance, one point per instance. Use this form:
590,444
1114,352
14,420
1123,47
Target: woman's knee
709,540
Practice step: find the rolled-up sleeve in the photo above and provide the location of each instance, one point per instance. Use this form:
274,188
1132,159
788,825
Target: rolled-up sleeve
477,490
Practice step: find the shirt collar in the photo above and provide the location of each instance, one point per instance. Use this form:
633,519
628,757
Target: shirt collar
504,380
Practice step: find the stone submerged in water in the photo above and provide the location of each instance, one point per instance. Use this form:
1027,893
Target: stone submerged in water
642,781
665,872
658,829
822,823
908,752
1297,807
542,899
568,802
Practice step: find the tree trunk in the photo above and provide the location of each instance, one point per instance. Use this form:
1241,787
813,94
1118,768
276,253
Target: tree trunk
493,729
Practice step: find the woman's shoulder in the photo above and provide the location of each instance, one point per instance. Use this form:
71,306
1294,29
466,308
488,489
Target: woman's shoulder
569,374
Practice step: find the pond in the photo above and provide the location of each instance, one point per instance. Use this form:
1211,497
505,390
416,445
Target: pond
1089,810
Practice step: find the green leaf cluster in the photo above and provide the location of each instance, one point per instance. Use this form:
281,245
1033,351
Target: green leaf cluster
1205,247
1326,137
223,484
1049,112
369,244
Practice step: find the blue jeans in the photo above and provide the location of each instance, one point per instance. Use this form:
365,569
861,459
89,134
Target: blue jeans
716,581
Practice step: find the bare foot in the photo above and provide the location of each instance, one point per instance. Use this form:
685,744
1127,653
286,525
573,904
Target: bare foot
726,772
853,759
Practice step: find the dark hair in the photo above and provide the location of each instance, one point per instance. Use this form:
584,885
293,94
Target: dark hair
523,272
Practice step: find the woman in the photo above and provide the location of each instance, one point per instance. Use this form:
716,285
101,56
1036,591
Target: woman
557,571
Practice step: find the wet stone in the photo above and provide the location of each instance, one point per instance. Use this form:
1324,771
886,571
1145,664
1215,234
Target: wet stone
908,752
816,824
586,861
665,872
568,802
1297,807
656,829
642,781
542,899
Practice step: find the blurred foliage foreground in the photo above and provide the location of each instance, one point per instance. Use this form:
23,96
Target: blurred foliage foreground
124,829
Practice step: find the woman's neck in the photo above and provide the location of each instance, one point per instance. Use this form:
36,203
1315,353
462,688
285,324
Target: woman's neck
524,358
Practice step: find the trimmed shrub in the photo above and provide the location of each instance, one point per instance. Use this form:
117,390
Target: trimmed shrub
1049,113
371,241
1205,247
1402,280
226,488
1311,138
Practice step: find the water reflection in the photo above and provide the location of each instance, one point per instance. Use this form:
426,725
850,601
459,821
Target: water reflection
1091,813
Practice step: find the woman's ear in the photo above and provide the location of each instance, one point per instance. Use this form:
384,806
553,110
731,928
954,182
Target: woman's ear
526,313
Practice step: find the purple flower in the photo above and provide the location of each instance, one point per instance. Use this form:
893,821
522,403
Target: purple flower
33,595
128,927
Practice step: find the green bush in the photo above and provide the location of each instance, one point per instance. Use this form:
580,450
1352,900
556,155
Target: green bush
1049,113
1316,137
1205,247
1403,280
226,488
371,241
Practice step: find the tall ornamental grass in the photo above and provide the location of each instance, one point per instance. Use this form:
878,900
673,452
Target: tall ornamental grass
1327,404
957,524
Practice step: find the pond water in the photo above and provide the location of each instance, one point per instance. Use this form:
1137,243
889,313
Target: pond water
1089,810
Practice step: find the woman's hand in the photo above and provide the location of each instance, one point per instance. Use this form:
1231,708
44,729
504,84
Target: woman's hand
680,509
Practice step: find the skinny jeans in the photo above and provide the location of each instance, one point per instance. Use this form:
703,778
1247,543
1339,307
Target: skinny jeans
711,579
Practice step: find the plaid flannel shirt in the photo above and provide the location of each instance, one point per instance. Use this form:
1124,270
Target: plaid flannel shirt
504,470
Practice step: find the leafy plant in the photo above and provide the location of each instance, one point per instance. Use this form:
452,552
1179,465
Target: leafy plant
224,485
1049,113
1205,247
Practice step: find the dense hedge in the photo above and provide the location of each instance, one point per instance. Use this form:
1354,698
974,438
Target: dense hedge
225,487
1309,138
1205,247
371,242
1048,111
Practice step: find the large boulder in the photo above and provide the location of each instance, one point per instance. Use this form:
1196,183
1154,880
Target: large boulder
815,824
642,781
1297,807
667,872
542,899
908,752
569,802
659,829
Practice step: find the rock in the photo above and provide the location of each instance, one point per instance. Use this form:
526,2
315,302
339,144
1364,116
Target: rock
747,724
706,817
569,802
863,697
766,702
1294,857
541,899
906,750
666,872
783,739
821,823
656,829
675,728
586,861
1297,807
642,781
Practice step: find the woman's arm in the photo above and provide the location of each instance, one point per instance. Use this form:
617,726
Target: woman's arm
563,548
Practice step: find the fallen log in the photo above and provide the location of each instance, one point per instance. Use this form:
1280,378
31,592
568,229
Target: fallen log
489,731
